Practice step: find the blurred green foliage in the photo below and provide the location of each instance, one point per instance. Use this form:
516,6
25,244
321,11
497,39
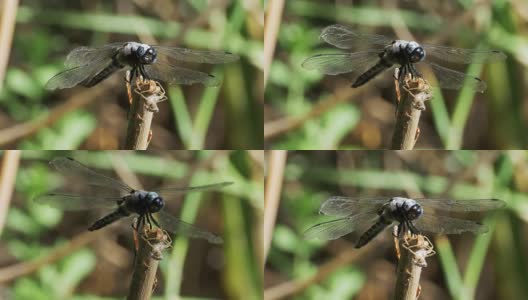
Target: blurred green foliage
201,118
191,267
453,120
465,267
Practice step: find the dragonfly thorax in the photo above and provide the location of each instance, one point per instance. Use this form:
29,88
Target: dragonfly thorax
143,53
142,202
405,52
402,209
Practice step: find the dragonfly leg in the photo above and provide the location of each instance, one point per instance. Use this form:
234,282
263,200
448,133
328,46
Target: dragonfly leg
148,220
155,221
128,82
404,70
140,222
412,228
143,72
401,228
128,76
414,72
135,226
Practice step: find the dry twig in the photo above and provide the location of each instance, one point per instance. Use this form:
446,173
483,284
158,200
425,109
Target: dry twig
81,99
8,12
151,245
8,173
149,94
277,163
281,126
271,31
414,92
414,250
287,290
25,268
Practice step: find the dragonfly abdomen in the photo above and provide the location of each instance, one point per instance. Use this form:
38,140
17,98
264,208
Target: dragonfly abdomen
372,232
109,70
110,218
379,67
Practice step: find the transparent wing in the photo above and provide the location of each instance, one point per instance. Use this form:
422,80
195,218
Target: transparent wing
462,205
338,63
70,167
454,80
72,77
196,56
86,55
337,228
172,224
448,225
183,190
463,56
339,206
344,37
77,202
164,71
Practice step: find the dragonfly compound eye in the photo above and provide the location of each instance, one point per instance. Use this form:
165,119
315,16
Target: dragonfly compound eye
414,212
140,51
146,56
156,205
149,57
417,55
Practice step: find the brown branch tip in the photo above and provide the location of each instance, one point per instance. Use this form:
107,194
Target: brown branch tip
147,94
151,92
151,246
418,89
412,92
414,251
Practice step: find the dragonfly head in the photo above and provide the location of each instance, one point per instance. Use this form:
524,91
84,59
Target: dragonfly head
414,212
415,52
155,202
146,54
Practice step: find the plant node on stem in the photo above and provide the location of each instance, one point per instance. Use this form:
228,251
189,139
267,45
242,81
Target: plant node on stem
414,250
147,93
411,102
152,242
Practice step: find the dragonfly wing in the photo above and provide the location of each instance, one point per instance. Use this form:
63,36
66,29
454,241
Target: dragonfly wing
454,80
344,37
339,206
196,56
77,202
337,228
172,224
339,63
462,205
76,75
87,55
184,190
463,56
447,225
70,167
164,71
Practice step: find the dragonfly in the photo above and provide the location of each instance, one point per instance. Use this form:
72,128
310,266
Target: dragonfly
383,53
125,201
372,216
87,66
